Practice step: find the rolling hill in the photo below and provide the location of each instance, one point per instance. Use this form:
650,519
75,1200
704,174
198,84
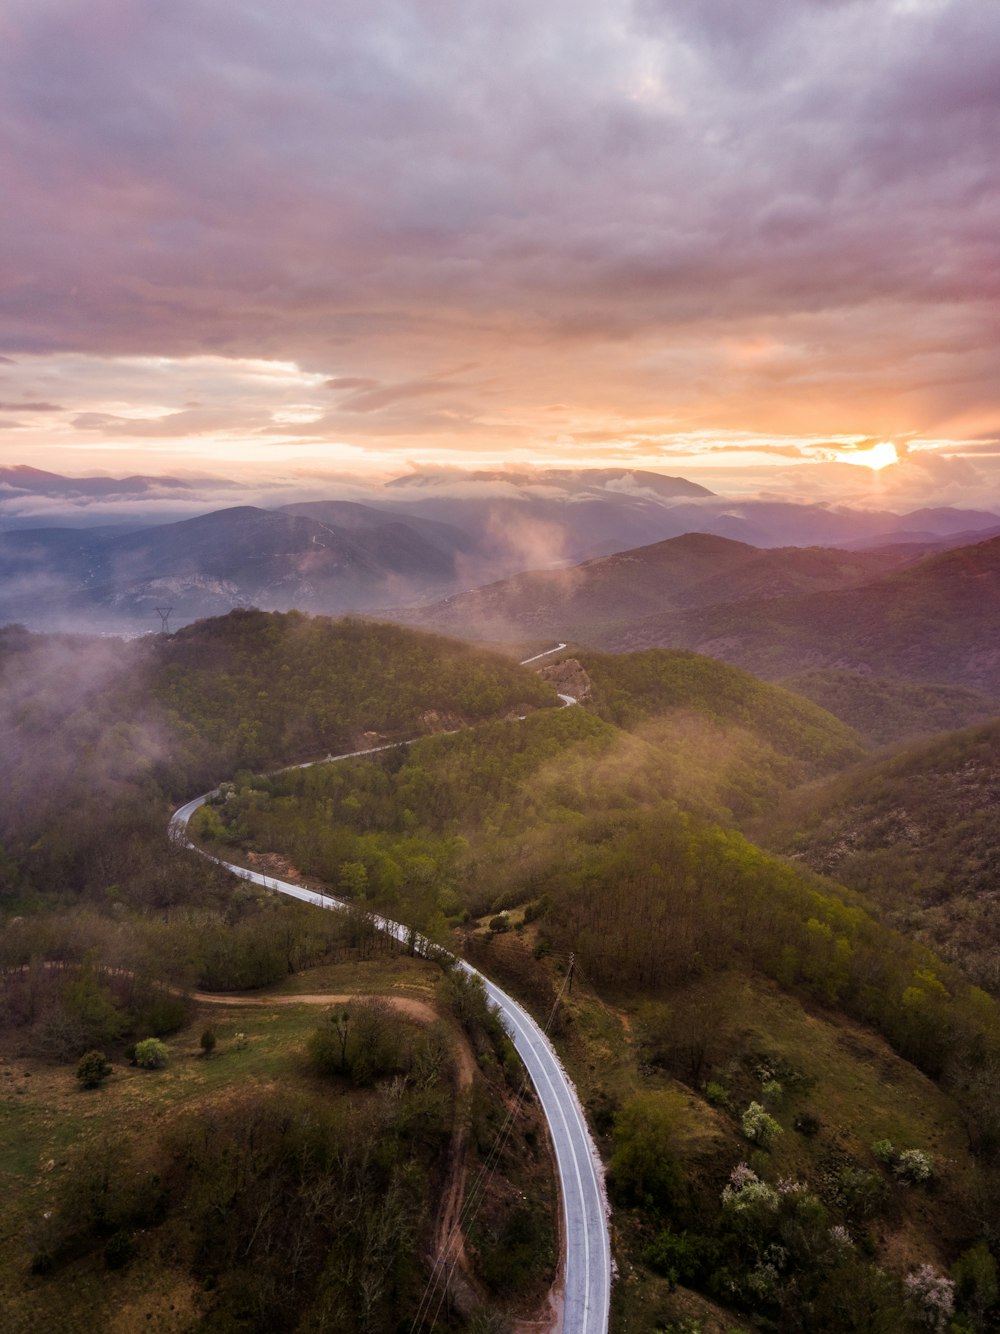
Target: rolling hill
934,621
695,570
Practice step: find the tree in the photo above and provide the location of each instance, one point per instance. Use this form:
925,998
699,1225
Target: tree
93,1069
151,1054
644,1167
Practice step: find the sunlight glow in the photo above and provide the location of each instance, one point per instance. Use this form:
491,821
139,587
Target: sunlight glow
878,457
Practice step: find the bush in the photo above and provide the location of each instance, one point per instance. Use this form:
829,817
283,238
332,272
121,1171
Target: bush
118,1250
93,1069
675,1255
151,1054
718,1096
208,1041
914,1166
930,1297
885,1152
758,1127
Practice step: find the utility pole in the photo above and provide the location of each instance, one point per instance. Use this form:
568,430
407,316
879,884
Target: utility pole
164,615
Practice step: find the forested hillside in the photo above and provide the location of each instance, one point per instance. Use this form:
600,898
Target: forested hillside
742,1011
917,833
884,711
98,734
277,1170
798,1103
935,622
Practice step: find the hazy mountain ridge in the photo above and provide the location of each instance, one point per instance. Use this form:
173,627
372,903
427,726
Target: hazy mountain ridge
934,621
694,570
423,536
207,565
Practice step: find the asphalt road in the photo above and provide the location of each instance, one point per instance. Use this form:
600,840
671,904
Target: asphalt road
587,1273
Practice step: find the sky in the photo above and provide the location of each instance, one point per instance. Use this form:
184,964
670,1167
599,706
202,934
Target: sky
753,244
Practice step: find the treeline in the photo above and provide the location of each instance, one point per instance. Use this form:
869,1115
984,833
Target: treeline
83,979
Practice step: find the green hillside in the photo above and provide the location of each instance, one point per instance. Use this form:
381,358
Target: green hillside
886,711
918,833
99,734
719,986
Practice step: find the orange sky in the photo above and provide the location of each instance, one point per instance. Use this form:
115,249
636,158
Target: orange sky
730,244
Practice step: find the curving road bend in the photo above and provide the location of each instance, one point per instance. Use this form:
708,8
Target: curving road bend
588,1271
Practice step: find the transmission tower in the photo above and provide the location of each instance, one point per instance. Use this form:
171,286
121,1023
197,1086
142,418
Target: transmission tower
164,615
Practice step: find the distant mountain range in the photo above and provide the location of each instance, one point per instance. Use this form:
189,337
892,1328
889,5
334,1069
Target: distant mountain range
429,536
696,570
895,612
236,557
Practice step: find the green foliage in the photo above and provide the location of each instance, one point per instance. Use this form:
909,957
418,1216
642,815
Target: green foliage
758,1127
885,711
93,1069
285,1210
977,1288
105,732
360,1040
151,1054
644,1170
678,1256
918,834
631,688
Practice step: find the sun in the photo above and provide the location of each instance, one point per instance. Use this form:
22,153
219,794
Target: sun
877,457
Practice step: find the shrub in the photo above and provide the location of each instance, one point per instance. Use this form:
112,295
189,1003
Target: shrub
885,1152
118,1250
758,1127
93,1069
914,1166
807,1124
718,1096
208,1041
675,1255
772,1092
976,1282
931,1297
151,1054
644,1170
746,1191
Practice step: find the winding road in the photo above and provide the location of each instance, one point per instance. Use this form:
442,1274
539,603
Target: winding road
587,1273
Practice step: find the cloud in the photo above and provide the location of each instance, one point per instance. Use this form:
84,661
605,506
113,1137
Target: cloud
30,407
670,214
344,382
